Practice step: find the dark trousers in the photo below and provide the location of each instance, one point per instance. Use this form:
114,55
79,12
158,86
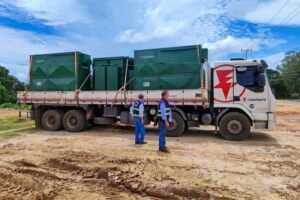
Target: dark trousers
162,135
139,130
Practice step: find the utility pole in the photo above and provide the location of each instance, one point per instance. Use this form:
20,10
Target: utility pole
246,52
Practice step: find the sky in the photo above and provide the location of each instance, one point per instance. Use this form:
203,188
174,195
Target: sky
118,27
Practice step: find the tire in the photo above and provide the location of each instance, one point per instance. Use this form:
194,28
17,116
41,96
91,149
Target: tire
52,120
235,126
74,121
86,125
177,126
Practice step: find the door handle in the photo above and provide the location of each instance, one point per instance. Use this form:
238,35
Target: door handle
236,98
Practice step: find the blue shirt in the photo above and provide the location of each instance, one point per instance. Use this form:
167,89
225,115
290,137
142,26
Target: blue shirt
141,109
163,112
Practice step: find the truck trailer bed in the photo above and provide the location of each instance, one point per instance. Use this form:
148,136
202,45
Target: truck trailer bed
192,97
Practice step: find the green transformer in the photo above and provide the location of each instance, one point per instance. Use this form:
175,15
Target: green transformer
109,73
60,72
169,68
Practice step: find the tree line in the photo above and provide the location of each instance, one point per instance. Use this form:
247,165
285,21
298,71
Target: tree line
285,79
9,85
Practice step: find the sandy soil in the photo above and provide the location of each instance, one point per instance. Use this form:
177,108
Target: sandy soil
103,163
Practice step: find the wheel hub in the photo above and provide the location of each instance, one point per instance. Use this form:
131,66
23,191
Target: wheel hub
51,121
234,127
72,121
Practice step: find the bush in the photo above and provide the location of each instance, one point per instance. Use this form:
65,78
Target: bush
9,105
9,85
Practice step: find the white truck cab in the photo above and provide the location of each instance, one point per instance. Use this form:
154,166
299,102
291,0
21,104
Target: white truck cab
241,86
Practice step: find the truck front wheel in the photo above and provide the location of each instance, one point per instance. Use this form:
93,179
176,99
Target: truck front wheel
52,120
177,126
234,126
74,121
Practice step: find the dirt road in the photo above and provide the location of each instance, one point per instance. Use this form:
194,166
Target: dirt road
103,163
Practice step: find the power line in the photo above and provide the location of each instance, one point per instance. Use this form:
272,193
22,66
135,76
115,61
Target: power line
292,17
275,15
278,11
295,10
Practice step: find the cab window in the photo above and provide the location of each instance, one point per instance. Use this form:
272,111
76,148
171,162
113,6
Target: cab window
248,77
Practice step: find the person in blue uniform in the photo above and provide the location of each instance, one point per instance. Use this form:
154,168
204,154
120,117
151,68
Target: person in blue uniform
165,118
137,113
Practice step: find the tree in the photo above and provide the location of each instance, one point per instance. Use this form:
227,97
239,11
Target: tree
290,73
276,83
9,85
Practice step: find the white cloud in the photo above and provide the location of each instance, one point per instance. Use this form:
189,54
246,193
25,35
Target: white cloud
191,20
17,45
52,12
264,11
221,48
273,60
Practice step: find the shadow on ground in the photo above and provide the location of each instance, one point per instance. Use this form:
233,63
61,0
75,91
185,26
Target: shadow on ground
194,135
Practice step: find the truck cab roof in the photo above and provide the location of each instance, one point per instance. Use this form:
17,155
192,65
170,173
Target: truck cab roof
241,62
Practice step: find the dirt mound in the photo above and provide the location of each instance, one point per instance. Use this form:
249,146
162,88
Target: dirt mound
123,161
23,163
37,174
63,165
80,156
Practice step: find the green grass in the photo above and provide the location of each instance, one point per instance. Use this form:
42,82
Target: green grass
15,106
8,124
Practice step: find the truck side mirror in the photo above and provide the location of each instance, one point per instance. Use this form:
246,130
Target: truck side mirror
261,69
261,80
273,91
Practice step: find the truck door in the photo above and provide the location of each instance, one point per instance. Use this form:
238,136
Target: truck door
250,89
223,83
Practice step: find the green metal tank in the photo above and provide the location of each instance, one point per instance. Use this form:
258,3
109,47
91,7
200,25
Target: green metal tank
109,72
60,72
130,86
168,68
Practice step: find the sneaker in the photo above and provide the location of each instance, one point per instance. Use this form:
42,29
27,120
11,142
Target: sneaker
165,150
143,143
137,143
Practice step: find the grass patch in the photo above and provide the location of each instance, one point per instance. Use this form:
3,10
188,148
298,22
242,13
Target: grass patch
11,123
16,106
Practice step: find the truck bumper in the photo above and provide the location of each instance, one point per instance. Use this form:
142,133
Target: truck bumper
271,121
264,122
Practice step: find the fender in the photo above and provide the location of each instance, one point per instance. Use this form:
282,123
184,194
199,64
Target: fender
227,108
237,106
181,112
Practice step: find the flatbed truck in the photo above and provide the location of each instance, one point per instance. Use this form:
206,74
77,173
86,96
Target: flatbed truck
234,96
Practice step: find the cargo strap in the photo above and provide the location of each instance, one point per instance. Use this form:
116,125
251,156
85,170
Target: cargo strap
201,75
78,90
25,94
117,93
125,80
77,96
85,81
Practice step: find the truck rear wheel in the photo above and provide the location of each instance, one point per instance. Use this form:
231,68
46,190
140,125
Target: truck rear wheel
234,126
52,120
177,126
74,121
